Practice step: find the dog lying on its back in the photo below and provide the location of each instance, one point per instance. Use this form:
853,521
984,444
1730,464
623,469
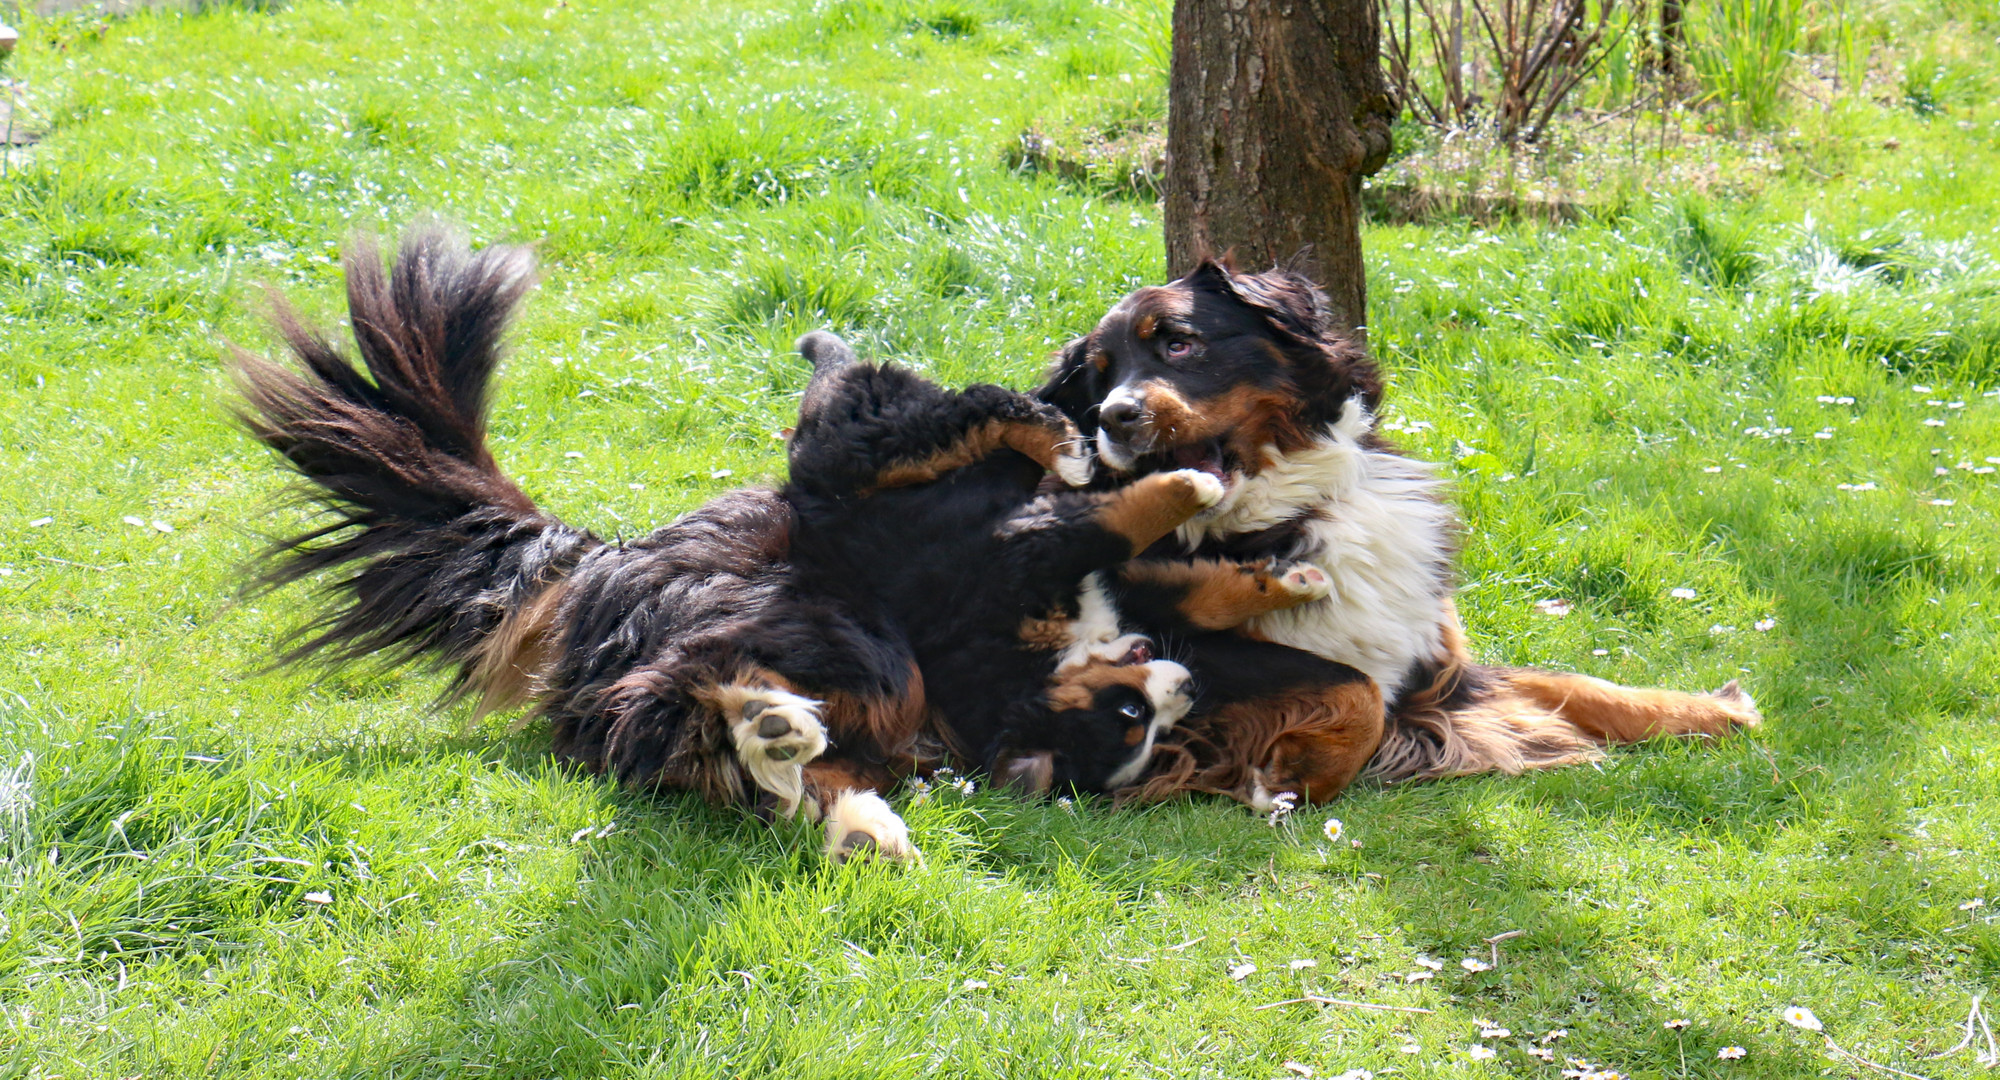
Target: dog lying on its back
1003,594
788,649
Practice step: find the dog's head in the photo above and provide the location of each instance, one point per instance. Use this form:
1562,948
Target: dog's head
1210,372
1094,728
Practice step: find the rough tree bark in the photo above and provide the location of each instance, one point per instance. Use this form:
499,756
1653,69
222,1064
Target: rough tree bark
1277,109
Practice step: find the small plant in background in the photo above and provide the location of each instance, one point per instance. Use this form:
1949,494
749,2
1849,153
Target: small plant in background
1741,52
1524,59
1932,84
1149,25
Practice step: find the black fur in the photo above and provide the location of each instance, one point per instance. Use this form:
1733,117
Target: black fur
1268,332
447,545
956,564
840,587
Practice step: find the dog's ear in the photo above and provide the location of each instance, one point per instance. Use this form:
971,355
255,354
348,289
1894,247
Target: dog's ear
1031,773
1211,275
1068,385
1288,298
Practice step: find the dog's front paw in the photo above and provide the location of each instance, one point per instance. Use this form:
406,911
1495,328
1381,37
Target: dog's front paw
1074,462
861,826
775,733
1201,489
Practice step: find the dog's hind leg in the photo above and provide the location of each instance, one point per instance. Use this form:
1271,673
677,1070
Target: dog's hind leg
775,733
864,428
1611,713
859,823
1212,594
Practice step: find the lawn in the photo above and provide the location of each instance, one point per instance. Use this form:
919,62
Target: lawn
1747,436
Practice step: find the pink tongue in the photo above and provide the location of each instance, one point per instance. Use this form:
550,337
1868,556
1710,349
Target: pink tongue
1199,456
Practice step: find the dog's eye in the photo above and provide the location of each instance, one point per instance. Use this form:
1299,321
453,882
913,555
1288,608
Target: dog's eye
1131,712
1179,347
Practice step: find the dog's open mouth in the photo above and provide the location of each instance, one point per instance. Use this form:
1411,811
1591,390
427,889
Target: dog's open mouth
1207,455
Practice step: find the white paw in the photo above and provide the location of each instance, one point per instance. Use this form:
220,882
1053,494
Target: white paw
1740,702
862,827
1123,649
1207,489
1074,463
1169,688
1303,579
775,733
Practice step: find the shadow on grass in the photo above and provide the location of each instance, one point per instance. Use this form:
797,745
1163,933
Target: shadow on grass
699,942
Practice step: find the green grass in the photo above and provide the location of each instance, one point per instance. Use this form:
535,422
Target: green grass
1628,406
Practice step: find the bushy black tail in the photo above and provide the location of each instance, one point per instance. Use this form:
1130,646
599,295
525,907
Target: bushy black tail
439,544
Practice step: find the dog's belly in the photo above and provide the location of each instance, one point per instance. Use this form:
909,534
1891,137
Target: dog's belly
1382,618
1375,524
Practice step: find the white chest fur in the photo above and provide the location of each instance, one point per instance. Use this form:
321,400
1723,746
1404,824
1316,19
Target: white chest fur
1379,531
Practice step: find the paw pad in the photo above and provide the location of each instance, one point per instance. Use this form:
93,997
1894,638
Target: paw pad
1305,579
862,828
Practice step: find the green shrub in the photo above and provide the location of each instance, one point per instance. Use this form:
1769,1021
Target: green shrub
1741,51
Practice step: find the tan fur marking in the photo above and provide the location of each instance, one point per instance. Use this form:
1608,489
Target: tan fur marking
1077,687
1145,325
1046,635
1172,418
1619,714
729,697
1249,419
1311,742
890,723
1217,595
825,778
1148,508
512,660
1042,443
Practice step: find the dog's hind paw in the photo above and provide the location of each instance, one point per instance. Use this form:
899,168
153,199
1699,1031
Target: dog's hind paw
1302,580
775,733
1738,703
861,826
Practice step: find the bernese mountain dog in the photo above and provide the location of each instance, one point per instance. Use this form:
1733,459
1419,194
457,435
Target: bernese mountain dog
1240,376
794,649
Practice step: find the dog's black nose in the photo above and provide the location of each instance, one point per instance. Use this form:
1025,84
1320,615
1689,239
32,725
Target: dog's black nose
1121,415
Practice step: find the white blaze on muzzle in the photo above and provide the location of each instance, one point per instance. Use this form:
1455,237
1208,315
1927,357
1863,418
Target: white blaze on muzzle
1109,450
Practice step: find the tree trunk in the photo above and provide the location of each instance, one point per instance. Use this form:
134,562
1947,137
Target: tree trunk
1670,35
1277,109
